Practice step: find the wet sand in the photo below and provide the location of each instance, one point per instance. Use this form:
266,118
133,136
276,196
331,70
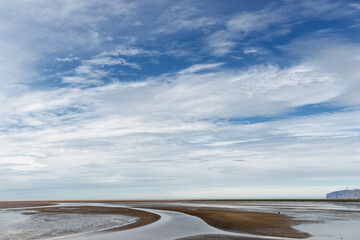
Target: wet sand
143,218
172,225
234,217
267,224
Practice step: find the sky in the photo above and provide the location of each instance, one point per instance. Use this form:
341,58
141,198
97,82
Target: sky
117,99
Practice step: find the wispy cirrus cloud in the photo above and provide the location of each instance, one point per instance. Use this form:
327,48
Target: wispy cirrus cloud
67,59
180,17
128,50
164,127
105,61
126,111
92,72
200,67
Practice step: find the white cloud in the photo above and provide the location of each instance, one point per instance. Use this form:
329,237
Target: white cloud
90,72
85,75
199,67
336,56
224,143
20,163
258,91
249,22
255,51
220,42
123,148
80,80
125,50
179,18
67,59
162,128
104,61
33,34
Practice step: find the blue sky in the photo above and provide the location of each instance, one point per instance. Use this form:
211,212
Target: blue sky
187,99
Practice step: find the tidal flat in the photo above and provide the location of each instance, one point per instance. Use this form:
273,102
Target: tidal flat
180,219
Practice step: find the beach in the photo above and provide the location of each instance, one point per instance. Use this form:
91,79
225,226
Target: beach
181,219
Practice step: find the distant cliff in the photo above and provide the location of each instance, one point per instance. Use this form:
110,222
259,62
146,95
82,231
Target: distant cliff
344,194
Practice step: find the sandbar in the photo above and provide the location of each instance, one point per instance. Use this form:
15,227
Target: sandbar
144,218
268,224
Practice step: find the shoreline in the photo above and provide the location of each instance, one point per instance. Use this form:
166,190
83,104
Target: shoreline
258,223
232,223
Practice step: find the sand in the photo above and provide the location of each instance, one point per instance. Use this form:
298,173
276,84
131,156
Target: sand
144,218
267,224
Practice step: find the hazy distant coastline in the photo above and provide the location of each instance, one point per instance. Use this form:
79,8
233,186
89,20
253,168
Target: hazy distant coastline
344,194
